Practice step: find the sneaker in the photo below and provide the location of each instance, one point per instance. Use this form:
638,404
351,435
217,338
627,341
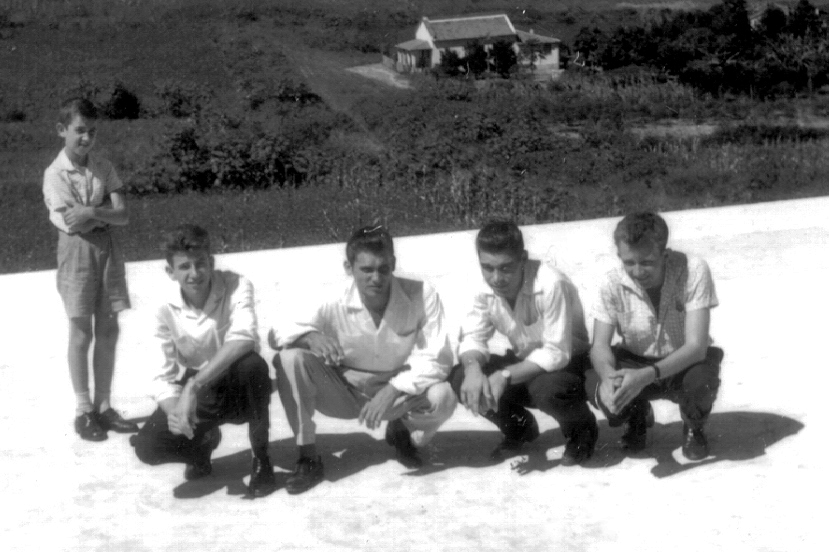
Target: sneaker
695,446
262,481
398,436
580,446
87,426
110,419
201,465
307,473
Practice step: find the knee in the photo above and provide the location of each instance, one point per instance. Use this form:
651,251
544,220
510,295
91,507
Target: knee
80,331
252,366
144,448
442,398
290,361
558,390
701,380
107,328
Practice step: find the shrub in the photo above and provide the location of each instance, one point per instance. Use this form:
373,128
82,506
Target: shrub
122,104
181,98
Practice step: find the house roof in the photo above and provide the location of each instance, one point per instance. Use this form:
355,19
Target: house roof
524,36
411,45
469,28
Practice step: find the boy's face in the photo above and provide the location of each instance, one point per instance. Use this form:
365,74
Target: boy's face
503,272
372,275
645,264
192,272
78,137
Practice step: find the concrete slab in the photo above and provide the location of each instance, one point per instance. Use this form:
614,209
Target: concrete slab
760,490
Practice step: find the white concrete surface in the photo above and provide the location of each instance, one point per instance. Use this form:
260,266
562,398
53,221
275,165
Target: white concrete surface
763,489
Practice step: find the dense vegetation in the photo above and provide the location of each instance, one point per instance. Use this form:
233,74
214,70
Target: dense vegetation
718,51
242,115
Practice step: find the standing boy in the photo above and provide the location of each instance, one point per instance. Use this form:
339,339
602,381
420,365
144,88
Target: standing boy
376,350
85,197
659,302
538,310
209,371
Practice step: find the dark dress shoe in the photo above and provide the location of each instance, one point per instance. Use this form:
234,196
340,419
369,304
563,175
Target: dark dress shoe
110,419
635,437
201,465
695,446
307,473
262,481
519,426
398,436
87,426
580,446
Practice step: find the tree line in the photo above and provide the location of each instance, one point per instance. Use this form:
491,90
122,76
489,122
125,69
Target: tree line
719,51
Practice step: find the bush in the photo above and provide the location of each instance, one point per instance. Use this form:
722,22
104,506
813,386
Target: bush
182,99
122,104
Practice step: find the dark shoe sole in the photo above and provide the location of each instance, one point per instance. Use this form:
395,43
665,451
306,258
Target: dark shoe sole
290,489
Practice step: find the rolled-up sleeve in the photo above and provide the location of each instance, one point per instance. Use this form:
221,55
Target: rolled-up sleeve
163,385
431,357
557,335
243,324
477,328
700,292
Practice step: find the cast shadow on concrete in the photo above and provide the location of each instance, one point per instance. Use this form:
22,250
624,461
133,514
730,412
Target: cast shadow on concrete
732,436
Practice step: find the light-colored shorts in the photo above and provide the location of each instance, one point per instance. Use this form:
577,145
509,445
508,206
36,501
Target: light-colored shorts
91,275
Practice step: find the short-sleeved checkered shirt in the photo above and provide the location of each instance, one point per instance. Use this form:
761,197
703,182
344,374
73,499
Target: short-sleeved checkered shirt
64,184
624,304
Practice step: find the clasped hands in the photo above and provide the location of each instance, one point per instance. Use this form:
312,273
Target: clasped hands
617,391
181,419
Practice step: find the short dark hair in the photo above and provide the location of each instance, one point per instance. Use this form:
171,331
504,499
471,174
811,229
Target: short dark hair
187,239
76,106
500,236
374,239
642,228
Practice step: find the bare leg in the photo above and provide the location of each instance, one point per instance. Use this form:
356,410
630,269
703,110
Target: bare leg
80,338
103,359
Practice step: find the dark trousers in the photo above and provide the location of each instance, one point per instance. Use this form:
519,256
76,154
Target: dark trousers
559,394
693,389
242,394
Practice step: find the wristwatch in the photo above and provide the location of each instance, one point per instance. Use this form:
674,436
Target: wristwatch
506,374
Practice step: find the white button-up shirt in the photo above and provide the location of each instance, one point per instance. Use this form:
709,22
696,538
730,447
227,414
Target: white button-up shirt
412,332
546,327
624,304
63,184
189,338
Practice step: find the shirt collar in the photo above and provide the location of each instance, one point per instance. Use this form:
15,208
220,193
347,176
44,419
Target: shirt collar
217,290
65,164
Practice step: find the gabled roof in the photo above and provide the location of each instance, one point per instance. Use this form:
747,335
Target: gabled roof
469,28
415,44
524,36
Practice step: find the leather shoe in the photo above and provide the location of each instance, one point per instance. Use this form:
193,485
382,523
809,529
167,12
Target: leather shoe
398,436
87,426
580,446
518,426
262,481
110,419
307,473
695,446
635,437
201,465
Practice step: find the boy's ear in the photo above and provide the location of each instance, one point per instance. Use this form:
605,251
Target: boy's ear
393,262
61,128
347,267
169,270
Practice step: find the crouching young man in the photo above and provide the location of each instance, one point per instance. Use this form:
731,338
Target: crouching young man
376,350
538,310
209,371
659,302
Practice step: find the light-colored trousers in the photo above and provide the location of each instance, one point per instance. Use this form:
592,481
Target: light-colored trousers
306,384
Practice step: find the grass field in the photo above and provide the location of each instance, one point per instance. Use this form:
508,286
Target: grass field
371,152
